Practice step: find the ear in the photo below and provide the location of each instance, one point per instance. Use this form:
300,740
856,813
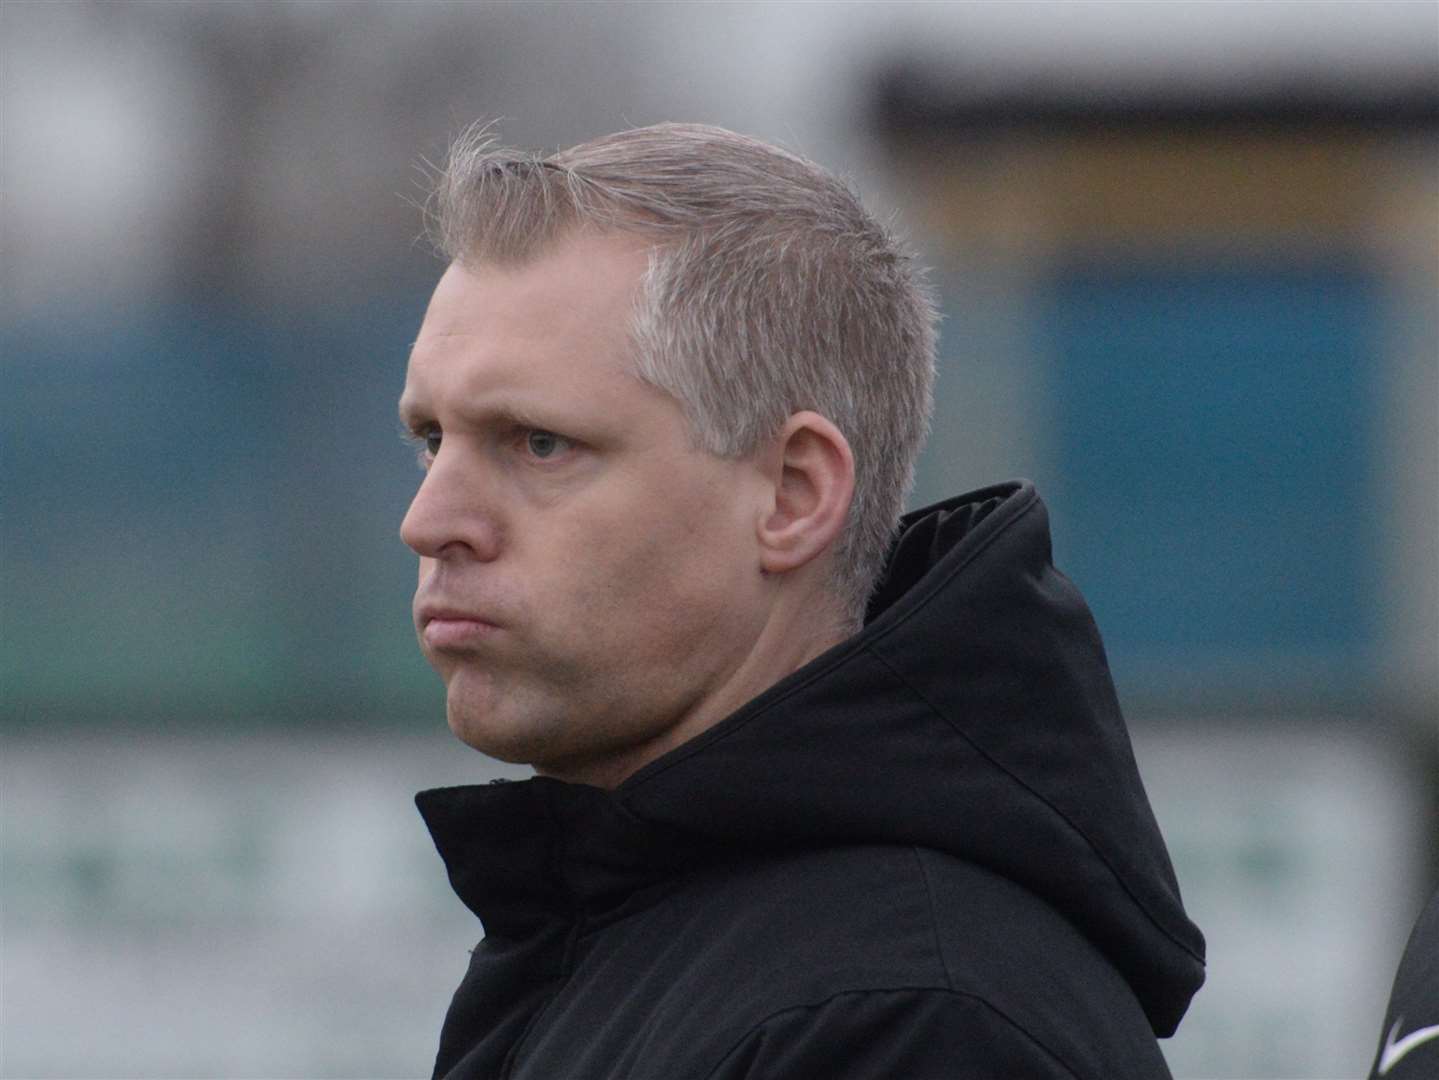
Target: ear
811,469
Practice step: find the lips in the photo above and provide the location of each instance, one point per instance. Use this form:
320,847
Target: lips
452,628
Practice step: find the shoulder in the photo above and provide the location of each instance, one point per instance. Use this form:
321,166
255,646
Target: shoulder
914,948
825,921
1029,963
917,1034
672,983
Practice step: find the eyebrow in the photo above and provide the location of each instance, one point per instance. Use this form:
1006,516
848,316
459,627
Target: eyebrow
414,414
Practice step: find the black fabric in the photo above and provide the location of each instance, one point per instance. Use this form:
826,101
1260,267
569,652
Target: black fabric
926,853
1409,1046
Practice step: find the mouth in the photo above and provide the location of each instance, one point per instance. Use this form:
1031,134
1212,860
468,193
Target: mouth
446,628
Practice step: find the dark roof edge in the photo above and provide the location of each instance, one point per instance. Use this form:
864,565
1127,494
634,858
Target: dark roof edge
910,98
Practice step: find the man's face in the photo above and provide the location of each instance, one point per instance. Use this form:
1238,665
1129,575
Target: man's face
589,583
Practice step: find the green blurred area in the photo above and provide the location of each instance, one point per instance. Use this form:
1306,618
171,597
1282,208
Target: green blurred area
201,524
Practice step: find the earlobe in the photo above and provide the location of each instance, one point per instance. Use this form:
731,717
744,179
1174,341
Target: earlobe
813,484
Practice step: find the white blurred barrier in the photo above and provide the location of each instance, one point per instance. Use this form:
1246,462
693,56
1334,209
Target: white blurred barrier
226,907
1300,851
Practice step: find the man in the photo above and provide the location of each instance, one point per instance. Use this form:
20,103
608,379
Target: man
820,793
1409,1049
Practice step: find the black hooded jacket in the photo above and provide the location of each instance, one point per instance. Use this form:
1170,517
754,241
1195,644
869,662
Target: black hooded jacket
925,854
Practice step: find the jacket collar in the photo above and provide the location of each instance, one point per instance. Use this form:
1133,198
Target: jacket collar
523,853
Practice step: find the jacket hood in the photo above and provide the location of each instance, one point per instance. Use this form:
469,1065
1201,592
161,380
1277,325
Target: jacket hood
973,714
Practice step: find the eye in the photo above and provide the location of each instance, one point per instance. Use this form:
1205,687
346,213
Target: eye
424,440
544,444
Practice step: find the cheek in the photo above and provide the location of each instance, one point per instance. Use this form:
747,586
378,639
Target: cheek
622,575
686,563
662,554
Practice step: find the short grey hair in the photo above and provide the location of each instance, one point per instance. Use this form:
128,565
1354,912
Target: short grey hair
770,290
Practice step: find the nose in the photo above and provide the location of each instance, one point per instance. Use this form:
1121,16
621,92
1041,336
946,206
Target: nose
450,516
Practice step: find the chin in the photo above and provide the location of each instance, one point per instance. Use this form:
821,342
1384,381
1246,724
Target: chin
500,734
482,736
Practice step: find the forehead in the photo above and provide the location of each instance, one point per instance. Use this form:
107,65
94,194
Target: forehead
594,272
563,314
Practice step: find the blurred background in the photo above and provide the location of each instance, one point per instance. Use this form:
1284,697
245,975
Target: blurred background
1189,260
